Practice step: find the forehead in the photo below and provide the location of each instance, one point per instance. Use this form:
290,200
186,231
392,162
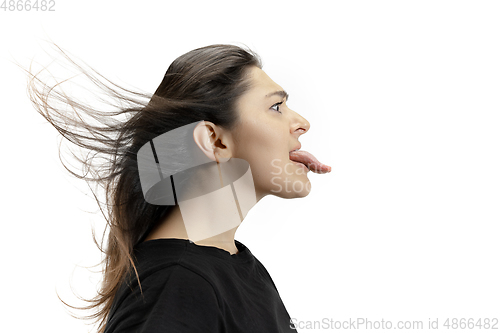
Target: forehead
261,83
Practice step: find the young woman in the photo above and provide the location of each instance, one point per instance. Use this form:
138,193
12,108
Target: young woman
184,168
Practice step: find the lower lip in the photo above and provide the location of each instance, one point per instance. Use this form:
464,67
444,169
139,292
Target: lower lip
301,165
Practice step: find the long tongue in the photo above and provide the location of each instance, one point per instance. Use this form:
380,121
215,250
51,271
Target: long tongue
310,161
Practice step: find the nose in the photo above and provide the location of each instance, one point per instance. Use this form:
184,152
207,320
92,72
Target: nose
299,124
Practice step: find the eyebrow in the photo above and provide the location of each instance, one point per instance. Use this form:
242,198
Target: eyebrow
281,93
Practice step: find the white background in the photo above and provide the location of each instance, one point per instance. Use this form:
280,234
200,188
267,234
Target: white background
403,101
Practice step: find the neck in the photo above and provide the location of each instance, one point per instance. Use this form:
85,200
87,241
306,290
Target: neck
209,212
172,226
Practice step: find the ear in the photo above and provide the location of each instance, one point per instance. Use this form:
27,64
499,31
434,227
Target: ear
210,139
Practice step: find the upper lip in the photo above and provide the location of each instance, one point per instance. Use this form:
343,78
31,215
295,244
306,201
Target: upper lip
296,148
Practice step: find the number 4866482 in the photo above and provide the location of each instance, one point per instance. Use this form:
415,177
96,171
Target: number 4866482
28,5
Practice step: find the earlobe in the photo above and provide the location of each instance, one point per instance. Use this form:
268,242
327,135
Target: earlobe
205,136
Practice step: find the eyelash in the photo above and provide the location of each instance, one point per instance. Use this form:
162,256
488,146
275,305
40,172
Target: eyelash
278,105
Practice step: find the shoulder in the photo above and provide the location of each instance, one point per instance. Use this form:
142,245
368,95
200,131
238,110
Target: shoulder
171,298
182,298
178,278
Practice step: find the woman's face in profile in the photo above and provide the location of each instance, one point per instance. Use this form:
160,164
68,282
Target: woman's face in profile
266,133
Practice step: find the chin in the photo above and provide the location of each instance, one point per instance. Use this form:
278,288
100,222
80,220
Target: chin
293,195
304,193
291,190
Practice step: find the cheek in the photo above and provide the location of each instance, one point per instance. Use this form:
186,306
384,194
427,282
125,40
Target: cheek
259,137
263,144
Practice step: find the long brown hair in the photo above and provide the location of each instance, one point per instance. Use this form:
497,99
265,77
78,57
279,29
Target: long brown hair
203,84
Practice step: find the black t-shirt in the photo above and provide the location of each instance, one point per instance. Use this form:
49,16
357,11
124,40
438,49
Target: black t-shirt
193,288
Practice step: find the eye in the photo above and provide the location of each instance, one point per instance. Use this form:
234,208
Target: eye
276,107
